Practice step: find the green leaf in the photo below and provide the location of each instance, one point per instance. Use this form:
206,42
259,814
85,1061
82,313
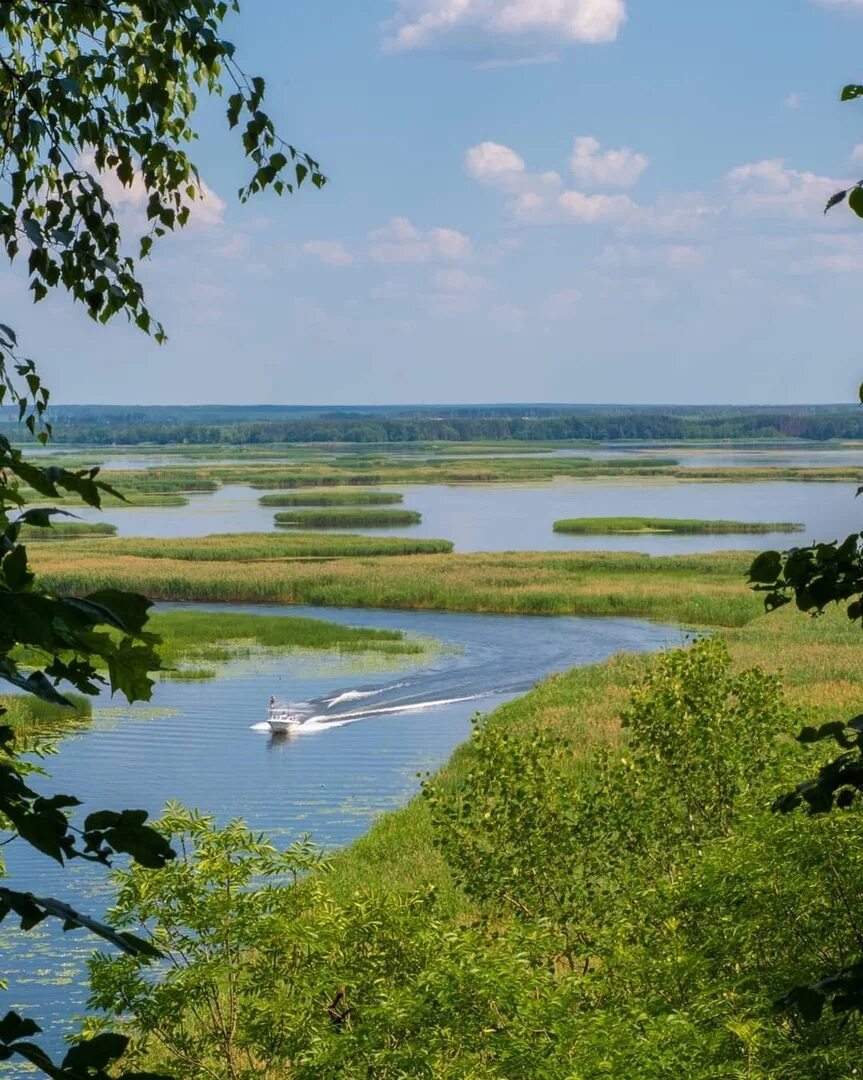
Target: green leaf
855,201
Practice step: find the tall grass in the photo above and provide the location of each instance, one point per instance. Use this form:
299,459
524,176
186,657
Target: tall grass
316,497
264,547
30,715
66,530
609,525
193,638
345,517
698,590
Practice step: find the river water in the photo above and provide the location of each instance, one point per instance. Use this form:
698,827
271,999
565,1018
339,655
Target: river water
376,726
519,517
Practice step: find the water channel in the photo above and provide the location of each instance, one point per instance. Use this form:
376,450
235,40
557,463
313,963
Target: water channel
377,725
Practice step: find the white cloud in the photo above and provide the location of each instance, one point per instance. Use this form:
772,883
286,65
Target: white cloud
400,241
596,168
857,152
499,166
587,209
793,101
769,187
207,209
328,251
491,161
423,24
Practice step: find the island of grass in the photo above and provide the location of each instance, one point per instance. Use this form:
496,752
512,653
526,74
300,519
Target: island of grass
68,530
191,639
348,518
238,550
317,497
604,526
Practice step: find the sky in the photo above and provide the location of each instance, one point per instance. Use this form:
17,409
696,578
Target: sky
528,201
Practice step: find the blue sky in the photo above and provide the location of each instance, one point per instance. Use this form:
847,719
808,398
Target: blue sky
529,200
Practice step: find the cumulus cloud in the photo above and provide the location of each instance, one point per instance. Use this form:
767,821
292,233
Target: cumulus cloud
770,187
857,152
328,251
424,24
499,166
596,168
400,241
491,161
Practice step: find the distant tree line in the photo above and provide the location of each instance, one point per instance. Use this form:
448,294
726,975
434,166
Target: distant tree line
343,427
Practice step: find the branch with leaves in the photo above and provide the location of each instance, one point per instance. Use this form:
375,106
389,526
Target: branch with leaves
95,95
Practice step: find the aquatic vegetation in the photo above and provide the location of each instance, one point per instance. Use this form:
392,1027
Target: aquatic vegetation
31,715
608,525
696,590
317,497
64,530
194,642
266,547
347,518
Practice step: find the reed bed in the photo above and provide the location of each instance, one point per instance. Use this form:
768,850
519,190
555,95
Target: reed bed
68,530
696,590
346,517
30,715
353,470
242,548
194,638
316,497
608,525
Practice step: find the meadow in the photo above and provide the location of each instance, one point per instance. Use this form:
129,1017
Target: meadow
603,526
345,517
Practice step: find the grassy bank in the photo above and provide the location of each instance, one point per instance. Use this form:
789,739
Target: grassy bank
607,525
317,497
819,661
699,590
194,643
347,518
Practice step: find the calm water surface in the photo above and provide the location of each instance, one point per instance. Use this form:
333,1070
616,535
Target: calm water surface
519,517
377,726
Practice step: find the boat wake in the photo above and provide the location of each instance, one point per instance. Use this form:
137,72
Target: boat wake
319,715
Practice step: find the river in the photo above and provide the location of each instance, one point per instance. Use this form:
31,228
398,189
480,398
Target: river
377,725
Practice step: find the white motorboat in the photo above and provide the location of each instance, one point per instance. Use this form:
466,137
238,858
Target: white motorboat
282,717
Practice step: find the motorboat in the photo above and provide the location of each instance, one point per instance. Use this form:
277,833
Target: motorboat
282,717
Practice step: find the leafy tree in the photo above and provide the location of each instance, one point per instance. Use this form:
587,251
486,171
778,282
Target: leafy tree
815,577
92,90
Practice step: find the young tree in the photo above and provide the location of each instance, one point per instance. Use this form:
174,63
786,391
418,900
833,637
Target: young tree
92,90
